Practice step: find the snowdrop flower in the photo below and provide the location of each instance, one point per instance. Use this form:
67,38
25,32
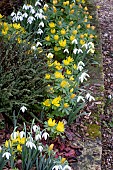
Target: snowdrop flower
38,43
79,51
32,11
19,13
6,154
81,63
40,148
22,134
66,51
38,137
110,96
80,98
46,6
89,97
35,128
80,66
91,50
30,144
41,24
57,167
74,41
90,44
14,135
45,135
39,15
26,7
30,19
25,15
83,77
67,167
33,47
14,19
41,11
39,31
13,14
37,3
75,50
85,45
23,109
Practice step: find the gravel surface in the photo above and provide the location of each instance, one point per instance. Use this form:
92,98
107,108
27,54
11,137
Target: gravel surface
105,14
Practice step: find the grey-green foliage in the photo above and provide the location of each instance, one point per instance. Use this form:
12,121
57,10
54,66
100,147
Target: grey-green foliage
21,77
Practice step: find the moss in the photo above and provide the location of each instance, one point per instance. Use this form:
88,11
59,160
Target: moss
94,131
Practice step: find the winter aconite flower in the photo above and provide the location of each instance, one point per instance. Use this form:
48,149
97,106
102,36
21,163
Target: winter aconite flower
52,24
51,147
51,122
60,127
47,102
62,43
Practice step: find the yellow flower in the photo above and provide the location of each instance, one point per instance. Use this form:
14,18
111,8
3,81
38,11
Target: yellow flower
85,20
64,84
47,38
66,62
90,17
56,37
71,78
71,23
66,105
56,101
8,143
62,43
52,24
68,72
70,59
91,36
83,1
16,26
74,32
47,102
55,2
50,55
60,127
78,27
51,147
92,27
85,8
53,31
22,140
5,26
98,7
57,65
47,76
19,148
63,32
75,66
63,160
81,36
72,38
51,122
4,32
56,48
54,9
72,11
1,16
58,75
59,23
72,96
88,26
82,42
71,90
19,40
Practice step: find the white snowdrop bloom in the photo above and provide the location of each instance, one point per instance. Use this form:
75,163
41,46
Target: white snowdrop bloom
39,31
83,77
89,97
14,135
80,66
57,167
80,98
110,96
26,7
35,128
41,11
23,109
22,134
38,137
81,63
40,148
38,44
37,3
91,50
46,6
74,41
30,144
66,51
19,13
41,24
75,50
13,14
90,44
85,45
6,154
25,15
30,19
20,18
67,167
32,11
45,135
14,18
79,51
39,15
33,48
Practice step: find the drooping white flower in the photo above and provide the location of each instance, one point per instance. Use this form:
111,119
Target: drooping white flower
80,98
30,144
39,15
13,14
38,44
46,6
38,137
23,109
6,154
14,135
25,15
79,51
74,41
35,128
30,19
32,11
22,134
57,167
80,66
41,24
40,148
33,48
89,97
45,135
66,51
37,3
75,50
67,167
85,45
83,77
39,31
26,7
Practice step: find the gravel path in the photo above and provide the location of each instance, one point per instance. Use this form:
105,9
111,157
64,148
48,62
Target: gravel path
105,14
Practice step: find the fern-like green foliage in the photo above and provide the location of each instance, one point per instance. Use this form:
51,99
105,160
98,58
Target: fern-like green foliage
21,78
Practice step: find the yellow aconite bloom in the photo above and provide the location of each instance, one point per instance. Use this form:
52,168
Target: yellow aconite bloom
78,27
54,9
68,72
72,38
85,20
71,23
53,31
56,37
1,16
5,26
74,32
70,59
51,147
75,66
64,84
47,76
55,2
72,96
72,11
71,78
71,90
81,36
85,8
63,160
62,43
50,55
63,32
88,26
66,62
19,148
90,17
60,127
92,27
83,1
59,23
16,26
57,65
66,105
56,48
82,42
22,140
51,122
47,102
4,32
91,36
58,75
56,101
47,38
52,24
8,143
